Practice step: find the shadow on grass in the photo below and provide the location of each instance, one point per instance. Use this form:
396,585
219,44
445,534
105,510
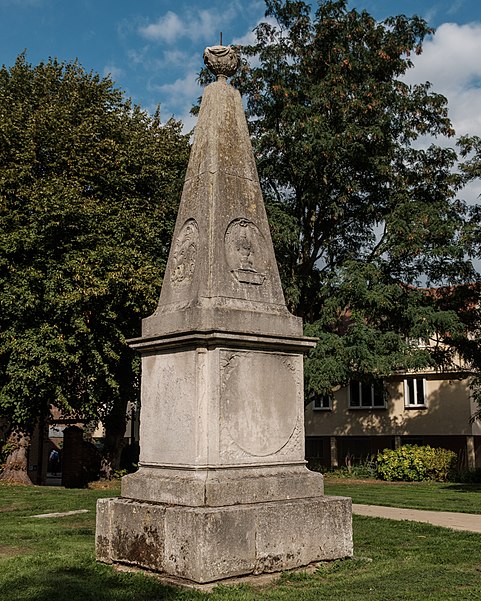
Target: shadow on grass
91,582
461,487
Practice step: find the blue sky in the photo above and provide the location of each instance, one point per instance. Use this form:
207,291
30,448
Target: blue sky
153,48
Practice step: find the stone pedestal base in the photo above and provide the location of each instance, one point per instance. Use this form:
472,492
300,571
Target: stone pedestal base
218,487
204,544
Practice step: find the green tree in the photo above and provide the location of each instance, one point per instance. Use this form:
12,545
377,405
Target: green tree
470,349
362,217
88,194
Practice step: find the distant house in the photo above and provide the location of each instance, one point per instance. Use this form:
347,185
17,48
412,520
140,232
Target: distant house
49,436
428,407
359,420
75,441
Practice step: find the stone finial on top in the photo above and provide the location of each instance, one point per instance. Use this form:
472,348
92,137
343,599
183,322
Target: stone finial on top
222,61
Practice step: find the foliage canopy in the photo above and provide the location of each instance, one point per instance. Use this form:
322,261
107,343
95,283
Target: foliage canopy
88,192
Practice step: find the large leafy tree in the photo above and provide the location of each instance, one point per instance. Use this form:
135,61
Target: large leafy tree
470,349
364,218
88,192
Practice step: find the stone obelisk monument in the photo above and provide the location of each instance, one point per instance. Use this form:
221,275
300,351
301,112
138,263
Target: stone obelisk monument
222,488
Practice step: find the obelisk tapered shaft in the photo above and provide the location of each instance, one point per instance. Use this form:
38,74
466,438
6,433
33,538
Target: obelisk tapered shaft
222,272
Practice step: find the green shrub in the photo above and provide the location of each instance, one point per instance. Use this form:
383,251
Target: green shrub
364,469
469,476
411,463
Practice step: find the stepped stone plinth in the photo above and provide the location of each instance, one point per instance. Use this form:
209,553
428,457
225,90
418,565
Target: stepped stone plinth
222,488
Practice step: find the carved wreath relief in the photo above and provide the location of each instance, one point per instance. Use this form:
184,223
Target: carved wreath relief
244,244
185,253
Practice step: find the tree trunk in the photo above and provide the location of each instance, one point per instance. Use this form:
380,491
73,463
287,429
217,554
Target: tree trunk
115,423
15,468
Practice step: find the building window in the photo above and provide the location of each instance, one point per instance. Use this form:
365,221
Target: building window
363,395
314,447
322,402
415,392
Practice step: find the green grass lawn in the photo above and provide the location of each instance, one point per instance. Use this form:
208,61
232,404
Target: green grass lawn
52,559
439,496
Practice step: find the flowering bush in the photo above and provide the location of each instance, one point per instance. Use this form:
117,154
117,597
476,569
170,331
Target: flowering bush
411,463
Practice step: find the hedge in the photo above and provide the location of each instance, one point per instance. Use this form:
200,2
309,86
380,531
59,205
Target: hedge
411,463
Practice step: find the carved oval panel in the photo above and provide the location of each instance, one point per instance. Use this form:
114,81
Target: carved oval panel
244,248
259,400
184,254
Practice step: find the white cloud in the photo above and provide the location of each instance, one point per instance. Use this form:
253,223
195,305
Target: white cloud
455,6
181,88
471,192
178,97
451,57
113,72
176,57
247,39
465,111
194,25
208,23
167,29
138,56
450,61
188,123
171,45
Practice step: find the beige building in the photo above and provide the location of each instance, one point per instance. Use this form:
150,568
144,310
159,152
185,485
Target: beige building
359,420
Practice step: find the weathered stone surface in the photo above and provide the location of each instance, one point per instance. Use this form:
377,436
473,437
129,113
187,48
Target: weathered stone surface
205,544
221,273
223,61
131,532
303,531
222,487
103,529
202,407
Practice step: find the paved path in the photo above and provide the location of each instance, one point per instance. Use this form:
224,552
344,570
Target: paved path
448,519
60,515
